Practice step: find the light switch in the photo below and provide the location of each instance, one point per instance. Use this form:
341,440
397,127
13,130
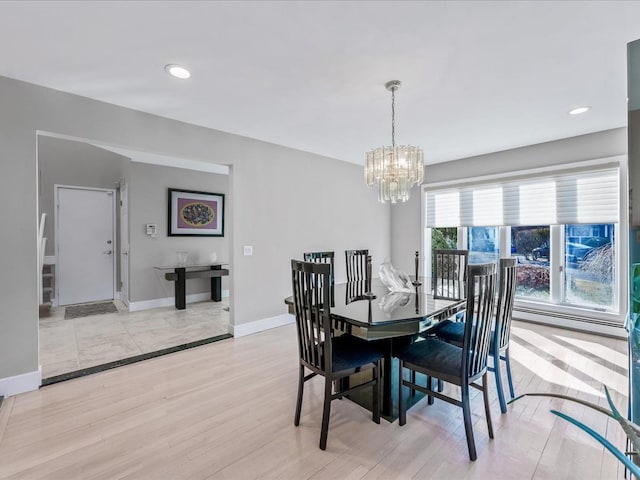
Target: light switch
247,250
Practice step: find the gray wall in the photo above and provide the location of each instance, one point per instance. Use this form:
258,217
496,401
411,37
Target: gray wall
406,232
148,199
405,218
282,201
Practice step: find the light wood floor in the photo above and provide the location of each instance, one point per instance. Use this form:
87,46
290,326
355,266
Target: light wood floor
225,411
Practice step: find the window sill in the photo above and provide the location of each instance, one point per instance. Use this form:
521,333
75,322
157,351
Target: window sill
589,320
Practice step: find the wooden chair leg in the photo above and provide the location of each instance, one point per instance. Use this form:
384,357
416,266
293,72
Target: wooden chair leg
430,399
376,393
507,361
326,412
498,375
402,411
468,425
296,420
487,407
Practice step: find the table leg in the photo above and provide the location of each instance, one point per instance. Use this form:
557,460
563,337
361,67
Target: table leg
180,289
216,285
387,383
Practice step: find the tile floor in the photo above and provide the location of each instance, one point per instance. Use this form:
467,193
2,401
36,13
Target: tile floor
73,344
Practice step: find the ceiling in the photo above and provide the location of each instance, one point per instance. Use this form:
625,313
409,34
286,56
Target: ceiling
477,76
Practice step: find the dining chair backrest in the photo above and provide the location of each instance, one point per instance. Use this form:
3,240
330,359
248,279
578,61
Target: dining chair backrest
450,274
506,296
479,319
322,257
356,264
355,291
312,310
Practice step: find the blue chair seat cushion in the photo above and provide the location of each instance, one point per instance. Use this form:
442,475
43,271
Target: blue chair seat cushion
350,352
453,332
435,355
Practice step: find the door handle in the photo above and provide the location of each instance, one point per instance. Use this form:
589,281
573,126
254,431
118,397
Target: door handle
107,252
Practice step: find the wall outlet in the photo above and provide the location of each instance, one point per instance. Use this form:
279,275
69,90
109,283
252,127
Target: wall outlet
247,250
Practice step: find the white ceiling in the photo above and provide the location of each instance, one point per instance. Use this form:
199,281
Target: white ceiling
477,76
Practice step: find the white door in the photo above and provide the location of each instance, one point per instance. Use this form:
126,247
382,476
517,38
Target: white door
124,245
85,245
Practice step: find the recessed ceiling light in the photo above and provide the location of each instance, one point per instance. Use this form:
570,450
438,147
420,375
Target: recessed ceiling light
579,110
177,71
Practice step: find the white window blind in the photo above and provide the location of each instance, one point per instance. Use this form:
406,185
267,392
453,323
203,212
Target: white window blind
564,198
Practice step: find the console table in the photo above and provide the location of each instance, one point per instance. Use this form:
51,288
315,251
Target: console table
179,275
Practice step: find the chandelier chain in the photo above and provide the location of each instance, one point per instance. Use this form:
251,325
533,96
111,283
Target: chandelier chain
393,117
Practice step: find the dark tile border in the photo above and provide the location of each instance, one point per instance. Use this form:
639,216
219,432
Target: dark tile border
126,361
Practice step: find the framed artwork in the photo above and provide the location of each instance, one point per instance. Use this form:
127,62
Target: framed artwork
192,213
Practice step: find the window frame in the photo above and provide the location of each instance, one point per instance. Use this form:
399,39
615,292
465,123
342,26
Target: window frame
558,314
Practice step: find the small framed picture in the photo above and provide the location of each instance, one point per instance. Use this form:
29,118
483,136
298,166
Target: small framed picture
192,213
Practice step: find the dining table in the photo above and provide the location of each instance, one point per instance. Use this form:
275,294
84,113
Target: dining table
390,319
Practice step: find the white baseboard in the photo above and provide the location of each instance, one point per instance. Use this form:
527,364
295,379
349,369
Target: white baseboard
171,301
261,325
25,382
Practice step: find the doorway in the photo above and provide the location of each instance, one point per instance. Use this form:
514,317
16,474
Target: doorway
146,324
85,226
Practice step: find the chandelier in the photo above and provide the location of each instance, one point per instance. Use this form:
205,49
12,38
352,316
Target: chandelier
397,168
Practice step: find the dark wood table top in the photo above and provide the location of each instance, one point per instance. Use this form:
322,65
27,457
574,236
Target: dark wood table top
389,314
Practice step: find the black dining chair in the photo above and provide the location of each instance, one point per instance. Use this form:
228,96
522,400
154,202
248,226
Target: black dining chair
459,366
322,352
450,273
453,332
320,257
323,257
449,277
356,264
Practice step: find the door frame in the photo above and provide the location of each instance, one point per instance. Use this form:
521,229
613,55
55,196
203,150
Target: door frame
56,188
124,249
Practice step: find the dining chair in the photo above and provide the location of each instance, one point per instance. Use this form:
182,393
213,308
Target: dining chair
449,273
356,264
323,257
453,332
461,366
449,277
322,352
320,257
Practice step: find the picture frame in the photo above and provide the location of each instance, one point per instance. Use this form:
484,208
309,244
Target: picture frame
195,214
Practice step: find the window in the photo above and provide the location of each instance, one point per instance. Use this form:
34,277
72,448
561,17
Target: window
571,265
589,256
483,244
444,238
532,247
560,223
